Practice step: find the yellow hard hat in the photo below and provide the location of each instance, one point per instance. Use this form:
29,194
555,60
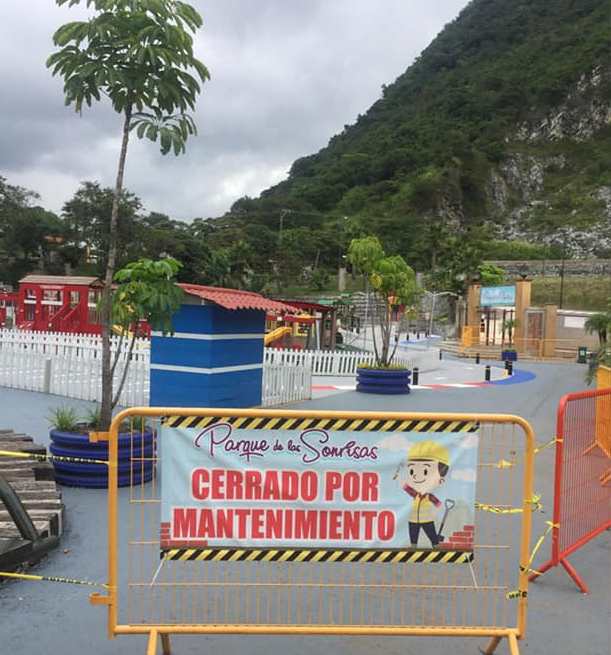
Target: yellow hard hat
429,450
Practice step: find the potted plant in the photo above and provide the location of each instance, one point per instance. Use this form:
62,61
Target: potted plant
509,353
145,291
70,439
391,282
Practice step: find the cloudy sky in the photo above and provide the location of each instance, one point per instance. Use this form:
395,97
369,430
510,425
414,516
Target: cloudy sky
286,76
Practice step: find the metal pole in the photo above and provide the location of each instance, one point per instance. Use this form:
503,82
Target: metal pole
366,312
562,272
432,313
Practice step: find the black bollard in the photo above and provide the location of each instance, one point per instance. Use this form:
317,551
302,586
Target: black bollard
440,354
415,376
509,367
487,373
477,358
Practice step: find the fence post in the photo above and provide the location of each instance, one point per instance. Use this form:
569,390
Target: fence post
46,381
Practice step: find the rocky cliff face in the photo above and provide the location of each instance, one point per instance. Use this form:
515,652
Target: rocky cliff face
586,111
544,190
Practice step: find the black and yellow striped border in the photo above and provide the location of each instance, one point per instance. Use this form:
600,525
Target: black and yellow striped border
331,424
288,555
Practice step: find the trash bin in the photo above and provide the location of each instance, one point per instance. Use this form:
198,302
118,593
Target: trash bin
582,355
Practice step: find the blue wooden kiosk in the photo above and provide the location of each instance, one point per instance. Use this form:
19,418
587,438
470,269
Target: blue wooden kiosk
215,356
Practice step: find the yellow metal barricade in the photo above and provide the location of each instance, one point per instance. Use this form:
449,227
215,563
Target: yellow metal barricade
378,593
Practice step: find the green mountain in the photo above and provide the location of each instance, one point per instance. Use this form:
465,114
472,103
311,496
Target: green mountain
496,142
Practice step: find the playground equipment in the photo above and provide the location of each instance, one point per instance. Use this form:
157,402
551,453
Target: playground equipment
276,335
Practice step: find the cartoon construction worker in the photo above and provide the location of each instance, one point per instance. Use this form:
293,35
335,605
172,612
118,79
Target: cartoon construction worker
428,464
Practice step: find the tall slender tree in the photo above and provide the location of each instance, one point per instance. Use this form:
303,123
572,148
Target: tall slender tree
139,54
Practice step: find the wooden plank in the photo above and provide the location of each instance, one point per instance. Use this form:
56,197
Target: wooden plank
19,474
14,464
22,446
54,519
37,503
35,485
16,436
9,530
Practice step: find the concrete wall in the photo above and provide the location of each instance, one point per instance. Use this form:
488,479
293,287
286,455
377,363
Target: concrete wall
570,325
554,266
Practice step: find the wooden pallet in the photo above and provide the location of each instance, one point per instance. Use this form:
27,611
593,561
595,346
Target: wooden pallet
34,483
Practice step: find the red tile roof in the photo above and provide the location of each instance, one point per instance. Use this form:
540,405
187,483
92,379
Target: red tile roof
235,299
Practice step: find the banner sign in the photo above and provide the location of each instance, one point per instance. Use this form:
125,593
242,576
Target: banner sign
497,296
261,482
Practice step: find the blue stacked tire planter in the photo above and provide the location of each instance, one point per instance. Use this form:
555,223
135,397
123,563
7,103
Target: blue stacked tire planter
132,470
509,356
383,381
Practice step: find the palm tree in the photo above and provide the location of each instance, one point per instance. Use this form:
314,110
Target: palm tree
599,324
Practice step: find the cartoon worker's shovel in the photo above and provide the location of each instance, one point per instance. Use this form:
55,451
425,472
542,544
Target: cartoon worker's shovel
449,505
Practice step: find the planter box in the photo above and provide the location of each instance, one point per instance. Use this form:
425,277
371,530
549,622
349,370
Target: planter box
393,381
509,356
76,445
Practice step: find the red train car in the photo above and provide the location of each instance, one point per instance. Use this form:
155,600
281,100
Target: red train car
59,303
8,302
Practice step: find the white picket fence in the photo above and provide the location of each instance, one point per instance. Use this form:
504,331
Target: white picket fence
283,383
327,362
71,365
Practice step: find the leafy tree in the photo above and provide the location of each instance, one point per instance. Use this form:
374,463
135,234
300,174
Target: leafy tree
87,218
392,281
30,237
139,54
146,291
459,258
491,275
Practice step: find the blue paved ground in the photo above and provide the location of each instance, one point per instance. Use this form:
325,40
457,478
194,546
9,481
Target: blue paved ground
41,618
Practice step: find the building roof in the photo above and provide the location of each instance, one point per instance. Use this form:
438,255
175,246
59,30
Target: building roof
76,280
311,306
235,299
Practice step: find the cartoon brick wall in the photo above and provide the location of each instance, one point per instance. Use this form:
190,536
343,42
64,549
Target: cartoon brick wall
459,540
166,542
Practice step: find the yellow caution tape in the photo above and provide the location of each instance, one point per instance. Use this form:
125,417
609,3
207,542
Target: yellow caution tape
51,578
550,527
518,593
497,509
50,458
547,444
505,464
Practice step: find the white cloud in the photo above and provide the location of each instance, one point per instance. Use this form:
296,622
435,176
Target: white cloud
465,475
395,443
285,78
